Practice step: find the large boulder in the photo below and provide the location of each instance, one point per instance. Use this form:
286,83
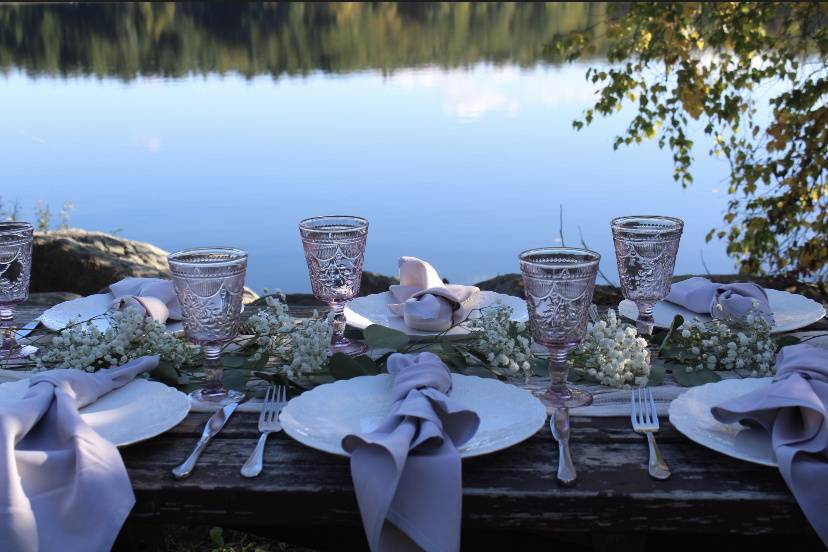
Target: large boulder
84,262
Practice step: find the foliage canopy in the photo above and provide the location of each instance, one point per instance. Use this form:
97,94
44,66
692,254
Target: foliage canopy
679,63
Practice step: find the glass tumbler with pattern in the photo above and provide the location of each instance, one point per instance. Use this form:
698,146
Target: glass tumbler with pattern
15,269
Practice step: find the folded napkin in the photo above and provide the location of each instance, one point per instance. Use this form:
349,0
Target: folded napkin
425,302
736,300
62,486
153,296
407,473
793,411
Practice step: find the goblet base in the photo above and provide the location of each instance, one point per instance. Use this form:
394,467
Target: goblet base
564,396
348,347
18,353
205,398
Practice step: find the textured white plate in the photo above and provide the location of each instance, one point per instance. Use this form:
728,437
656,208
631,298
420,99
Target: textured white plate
690,414
321,417
373,309
790,311
135,412
85,308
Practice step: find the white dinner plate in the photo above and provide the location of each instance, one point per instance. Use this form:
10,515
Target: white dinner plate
791,311
690,414
361,312
321,417
86,308
135,412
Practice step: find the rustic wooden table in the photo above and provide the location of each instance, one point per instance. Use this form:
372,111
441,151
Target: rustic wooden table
512,492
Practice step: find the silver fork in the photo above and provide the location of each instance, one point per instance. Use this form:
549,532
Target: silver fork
645,420
275,400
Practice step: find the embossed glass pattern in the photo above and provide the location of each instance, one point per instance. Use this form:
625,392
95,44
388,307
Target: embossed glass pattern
15,270
334,250
645,249
558,284
209,283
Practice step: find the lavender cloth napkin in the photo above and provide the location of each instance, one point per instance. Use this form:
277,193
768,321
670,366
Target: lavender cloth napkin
62,486
793,411
407,473
702,296
154,296
425,302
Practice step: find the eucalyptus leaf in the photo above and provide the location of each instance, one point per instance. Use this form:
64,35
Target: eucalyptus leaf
233,361
235,378
342,366
692,379
479,371
658,367
786,340
251,364
367,365
540,366
380,337
678,320
165,372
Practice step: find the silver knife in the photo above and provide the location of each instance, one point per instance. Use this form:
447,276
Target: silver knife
26,329
559,424
214,425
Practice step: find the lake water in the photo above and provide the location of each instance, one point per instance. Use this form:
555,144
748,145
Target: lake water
462,166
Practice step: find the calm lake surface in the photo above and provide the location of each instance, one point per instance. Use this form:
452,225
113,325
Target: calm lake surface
463,166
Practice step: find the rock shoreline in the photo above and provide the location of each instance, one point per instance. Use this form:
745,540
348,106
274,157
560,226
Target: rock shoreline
85,262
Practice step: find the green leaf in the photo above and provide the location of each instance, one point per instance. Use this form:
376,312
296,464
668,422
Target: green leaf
342,366
259,364
540,366
658,368
217,536
235,379
452,356
381,337
678,320
233,361
691,379
165,372
786,340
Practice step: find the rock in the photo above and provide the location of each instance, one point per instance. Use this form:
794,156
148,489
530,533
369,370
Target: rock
84,262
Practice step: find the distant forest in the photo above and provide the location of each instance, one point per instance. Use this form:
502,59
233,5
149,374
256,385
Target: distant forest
126,40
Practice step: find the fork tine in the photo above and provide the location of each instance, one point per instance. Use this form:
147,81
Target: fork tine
645,406
642,408
283,396
632,407
653,411
264,405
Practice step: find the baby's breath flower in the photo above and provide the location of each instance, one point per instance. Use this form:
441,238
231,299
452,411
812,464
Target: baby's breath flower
504,342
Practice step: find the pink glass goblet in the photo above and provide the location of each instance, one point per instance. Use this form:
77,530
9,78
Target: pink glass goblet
209,283
334,250
15,269
645,249
558,283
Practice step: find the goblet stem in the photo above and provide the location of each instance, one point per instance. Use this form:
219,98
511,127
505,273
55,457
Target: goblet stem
645,322
214,393
559,394
213,370
8,343
340,343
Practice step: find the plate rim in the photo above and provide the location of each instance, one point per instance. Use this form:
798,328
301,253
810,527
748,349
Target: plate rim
774,330
296,436
462,332
174,421
684,397
47,321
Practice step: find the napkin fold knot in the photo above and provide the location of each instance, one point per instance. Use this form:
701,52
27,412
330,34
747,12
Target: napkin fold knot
426,303
154,297
62,486
794,411
407,472
730,302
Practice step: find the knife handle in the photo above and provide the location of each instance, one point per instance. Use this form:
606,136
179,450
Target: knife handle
566,469
184,470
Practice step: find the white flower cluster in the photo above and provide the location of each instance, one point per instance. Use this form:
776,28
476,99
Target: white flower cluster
504,342
715,345
130,335
612,353
311,342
